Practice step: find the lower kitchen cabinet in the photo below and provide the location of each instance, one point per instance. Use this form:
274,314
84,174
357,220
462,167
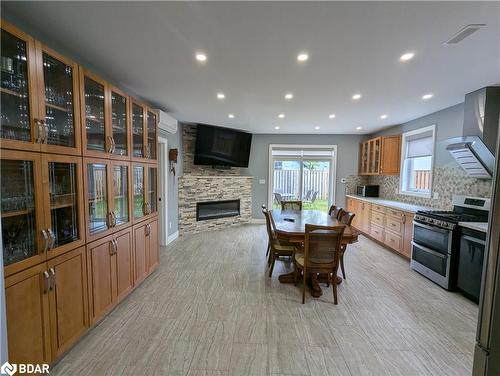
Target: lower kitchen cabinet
146,248
362,211
110,272
46,308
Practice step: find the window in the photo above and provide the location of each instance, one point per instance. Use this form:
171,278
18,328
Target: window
417,160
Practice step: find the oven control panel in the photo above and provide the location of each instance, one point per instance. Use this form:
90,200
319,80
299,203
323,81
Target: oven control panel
434,222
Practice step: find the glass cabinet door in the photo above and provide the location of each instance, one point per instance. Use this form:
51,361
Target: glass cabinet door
94,104
17,76
119,123
59,83
120,194
138,187
152,196
97,198
64,215
152,139
21,218
138,130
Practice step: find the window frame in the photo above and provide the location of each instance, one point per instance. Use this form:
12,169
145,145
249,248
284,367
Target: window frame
404,146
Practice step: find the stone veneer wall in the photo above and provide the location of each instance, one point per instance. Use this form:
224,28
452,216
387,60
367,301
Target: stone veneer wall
447,181
199,188
189,144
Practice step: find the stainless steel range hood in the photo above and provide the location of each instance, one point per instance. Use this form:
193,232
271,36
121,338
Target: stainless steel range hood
475,150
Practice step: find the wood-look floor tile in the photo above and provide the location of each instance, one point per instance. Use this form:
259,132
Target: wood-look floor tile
213,356
288,359
249,360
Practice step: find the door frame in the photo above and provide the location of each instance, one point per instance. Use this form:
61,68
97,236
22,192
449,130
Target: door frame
163,171
333,168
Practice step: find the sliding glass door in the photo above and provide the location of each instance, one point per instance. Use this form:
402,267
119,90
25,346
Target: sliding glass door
302,174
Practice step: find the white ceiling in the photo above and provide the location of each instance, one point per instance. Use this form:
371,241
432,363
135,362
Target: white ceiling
149,48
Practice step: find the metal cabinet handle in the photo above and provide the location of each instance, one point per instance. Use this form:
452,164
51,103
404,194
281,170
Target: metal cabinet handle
113,143
52,284
45,129
114,218
45,240
112,247
46,277
148,229
109,144
52,238
116,245
473,240
39,132
110,220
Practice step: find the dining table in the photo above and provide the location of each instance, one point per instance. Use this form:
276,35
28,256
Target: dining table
289,226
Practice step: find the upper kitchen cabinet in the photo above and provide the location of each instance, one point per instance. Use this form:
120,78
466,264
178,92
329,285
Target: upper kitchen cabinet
138,112
380,156
20,126
119,135
94,119
58,102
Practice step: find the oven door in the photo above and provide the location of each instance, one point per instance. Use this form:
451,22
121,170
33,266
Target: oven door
432,236
433,264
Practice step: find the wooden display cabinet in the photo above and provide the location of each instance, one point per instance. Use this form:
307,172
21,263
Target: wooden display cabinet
380,156
119,133
146,249
145,191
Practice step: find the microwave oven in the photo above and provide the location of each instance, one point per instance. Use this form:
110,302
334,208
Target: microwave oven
367,190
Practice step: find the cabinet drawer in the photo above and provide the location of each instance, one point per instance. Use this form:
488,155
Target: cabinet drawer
379,208
392,240
394,224
377,232
378,218
398,214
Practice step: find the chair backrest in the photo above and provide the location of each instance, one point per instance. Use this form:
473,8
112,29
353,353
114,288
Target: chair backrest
314,196
335,212
278,197
307,197
291,205
347,218
322,245
270,232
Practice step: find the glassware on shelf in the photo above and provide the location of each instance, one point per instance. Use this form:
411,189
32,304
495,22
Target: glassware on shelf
120,191
137,130
119,123
152,189
94,115
152,139
18,210
15,114
97,196
138,185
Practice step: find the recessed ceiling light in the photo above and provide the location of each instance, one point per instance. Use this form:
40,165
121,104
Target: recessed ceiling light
288,96
201,57
302,57
220,96
384,116
331,116
407,56
427,96
281,116
230,116
276,127
359,128
317,128
356,97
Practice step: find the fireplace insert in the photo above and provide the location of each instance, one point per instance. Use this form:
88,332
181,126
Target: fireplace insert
217,209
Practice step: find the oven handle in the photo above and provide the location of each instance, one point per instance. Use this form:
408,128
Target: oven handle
438,254
415,223
473,240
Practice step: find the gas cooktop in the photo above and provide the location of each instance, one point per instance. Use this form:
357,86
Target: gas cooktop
451,216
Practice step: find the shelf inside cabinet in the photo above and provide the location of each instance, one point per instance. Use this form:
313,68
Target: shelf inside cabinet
56,107
16,213
12,92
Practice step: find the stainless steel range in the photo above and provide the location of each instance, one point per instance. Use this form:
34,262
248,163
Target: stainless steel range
436,238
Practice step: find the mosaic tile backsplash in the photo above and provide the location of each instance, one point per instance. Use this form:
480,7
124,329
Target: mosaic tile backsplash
447,181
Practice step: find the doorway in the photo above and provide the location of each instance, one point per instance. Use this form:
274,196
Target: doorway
163,184
305,173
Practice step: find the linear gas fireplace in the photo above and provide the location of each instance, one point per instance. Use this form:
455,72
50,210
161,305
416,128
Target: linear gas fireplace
217,209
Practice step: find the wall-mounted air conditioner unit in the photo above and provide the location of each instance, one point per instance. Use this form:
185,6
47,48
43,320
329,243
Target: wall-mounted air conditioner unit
167,122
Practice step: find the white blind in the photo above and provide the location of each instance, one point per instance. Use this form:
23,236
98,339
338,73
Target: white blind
420,145
302,152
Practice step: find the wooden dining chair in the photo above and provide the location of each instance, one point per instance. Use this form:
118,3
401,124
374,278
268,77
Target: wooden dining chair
264,207
345,219
335,212
278,198
276,249
321,255
291,205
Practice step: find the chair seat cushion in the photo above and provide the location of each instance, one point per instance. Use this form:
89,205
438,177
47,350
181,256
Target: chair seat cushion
299,259
288,249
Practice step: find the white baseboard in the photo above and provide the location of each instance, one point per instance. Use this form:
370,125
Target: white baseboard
258,221
172,237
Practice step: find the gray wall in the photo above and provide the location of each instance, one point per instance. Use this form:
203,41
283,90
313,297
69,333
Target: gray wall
347,161
174,142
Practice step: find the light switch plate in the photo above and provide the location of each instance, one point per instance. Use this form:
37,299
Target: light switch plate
262,181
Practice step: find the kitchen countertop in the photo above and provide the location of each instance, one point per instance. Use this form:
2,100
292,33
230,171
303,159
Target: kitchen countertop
391,204
479,226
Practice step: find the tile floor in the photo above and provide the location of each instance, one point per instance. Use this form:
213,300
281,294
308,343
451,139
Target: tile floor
211,310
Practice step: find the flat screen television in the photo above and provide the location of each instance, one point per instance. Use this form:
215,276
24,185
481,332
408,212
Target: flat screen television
217,146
